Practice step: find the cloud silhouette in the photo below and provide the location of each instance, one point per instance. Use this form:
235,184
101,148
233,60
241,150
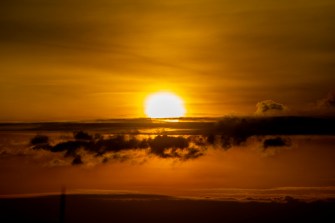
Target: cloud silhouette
82,136
39,139
40,142
77,160
269,107
161,143
174,147
84,145
276,142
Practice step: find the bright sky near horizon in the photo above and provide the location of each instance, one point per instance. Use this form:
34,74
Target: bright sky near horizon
77,60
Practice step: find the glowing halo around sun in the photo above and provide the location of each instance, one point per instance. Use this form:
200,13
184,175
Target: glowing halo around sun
164,105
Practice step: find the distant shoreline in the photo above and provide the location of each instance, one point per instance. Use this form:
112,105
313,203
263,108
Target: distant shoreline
146,208
280,195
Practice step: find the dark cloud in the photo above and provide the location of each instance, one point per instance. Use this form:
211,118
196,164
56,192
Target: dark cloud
40,142
82,136
77,160
279,125
173,147
235,131
160,144
269,106
39,139
70,146
111,148
276,142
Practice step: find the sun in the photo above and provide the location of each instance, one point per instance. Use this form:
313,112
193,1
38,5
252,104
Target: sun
164,105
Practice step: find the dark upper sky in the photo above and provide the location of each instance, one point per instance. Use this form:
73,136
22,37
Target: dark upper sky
70,60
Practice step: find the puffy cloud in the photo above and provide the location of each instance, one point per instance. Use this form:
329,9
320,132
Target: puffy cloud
85,147
269,107
167,146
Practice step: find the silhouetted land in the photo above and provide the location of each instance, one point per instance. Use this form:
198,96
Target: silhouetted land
156,208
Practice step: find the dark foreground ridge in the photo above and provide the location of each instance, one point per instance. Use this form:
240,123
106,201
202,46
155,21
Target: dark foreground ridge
155,208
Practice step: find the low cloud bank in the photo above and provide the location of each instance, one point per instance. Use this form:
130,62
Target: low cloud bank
224,134
163,146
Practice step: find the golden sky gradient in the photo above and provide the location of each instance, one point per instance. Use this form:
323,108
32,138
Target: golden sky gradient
76,60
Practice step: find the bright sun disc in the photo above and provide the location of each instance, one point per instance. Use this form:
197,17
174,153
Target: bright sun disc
164,105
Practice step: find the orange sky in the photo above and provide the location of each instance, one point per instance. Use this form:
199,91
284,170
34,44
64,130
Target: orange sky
78,60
